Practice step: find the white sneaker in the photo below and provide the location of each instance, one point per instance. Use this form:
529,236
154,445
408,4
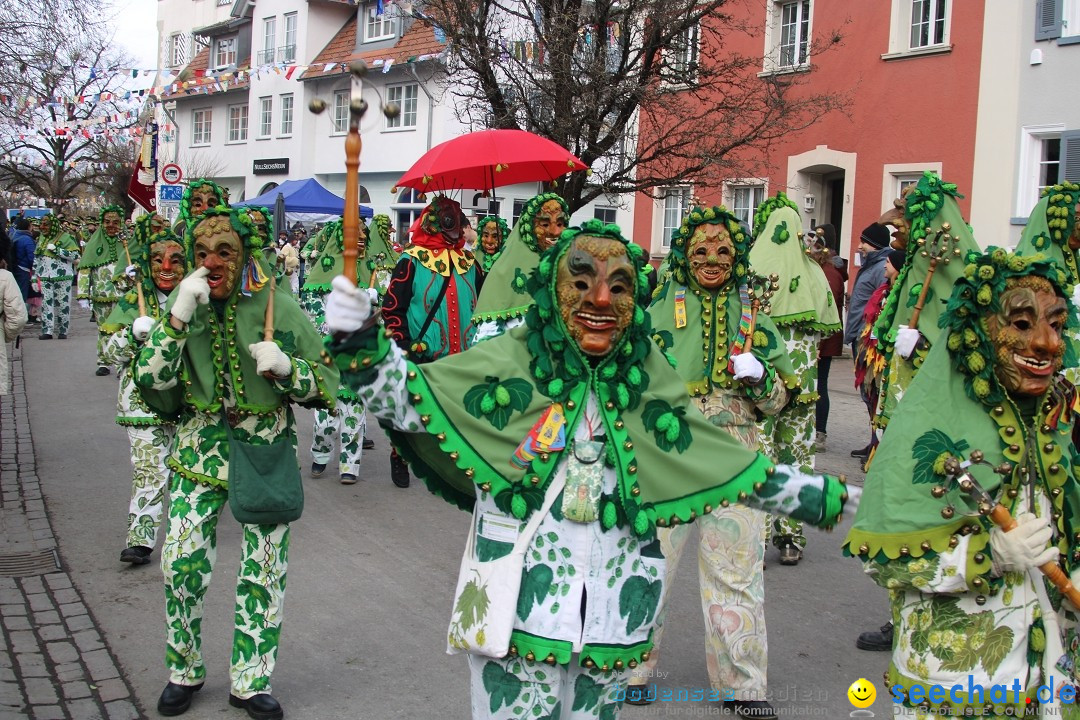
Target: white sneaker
819,442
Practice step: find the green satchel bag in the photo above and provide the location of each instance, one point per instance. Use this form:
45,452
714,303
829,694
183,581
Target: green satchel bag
264,482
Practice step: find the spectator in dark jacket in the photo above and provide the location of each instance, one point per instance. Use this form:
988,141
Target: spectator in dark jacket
874,249
832,345
23,255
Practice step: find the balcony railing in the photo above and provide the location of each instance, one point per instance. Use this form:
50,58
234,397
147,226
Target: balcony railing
287,53
265,57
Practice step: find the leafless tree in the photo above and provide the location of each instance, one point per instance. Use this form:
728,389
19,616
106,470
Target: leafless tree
23,23
649,93
46,147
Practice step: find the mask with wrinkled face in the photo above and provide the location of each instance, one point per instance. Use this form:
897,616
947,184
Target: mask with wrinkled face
549,222
219,250
490,239
259,220
201,199
711,255
167,266
1074,239
111,224
1026,334
595,285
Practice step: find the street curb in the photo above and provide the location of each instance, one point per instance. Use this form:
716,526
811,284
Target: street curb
54,661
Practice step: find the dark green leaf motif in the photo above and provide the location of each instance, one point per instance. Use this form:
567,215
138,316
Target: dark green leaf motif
668,425
286,340
638,601
497,401
587,693
535,584
664,339
502,686
928,450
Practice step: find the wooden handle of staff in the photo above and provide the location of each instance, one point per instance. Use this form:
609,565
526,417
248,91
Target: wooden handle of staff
268,318
1004,520
138,284
351,221
914,322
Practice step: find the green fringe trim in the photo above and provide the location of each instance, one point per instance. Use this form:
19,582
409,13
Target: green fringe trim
319,287
543,649
58,279
805,320
194,476
616,657
508,314
965,707
128,421
804,398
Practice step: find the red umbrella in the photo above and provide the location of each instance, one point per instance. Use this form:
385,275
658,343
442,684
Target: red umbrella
488,159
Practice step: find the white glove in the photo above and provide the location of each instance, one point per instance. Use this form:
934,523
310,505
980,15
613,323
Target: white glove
1024,546
1076,295
84,303
51,247
906,340
348,307
192,291
270,358
854,495
749,367
373,295
140,329
131,271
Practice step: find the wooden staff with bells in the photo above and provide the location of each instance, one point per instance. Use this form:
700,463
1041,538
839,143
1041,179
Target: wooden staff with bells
940,249
351,225
988,507
138,278
761,289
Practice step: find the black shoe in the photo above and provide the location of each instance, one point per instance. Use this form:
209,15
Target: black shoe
61,336
261,707
399,472
102,371
138,555
790,554
317,469
752,709
861,453
176,699
348,479
368,443
44,336
876,639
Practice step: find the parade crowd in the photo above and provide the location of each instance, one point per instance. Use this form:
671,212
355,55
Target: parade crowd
591,410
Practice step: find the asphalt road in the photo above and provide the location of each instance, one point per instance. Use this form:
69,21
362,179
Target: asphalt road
372,572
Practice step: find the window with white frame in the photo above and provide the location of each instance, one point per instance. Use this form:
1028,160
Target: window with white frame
745,200
928,20
676,201
266,55
1040,163
903,182
200,126
341,111
286,114
407,207
682,57
238,123
379,27
225,52
518,209
794,35
266,116
405,97
604,214
178,46
918,26
288,50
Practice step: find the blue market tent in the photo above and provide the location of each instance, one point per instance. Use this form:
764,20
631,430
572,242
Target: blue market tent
305,200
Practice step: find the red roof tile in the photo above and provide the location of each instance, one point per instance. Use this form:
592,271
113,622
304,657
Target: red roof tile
418,40
201,62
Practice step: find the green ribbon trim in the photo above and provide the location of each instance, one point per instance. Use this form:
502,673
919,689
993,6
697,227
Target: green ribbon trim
806,321
56,279
508,314
196,477
884,548
616,657
143,421
543,649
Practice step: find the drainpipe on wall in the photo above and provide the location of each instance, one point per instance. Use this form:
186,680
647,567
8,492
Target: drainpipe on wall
431,103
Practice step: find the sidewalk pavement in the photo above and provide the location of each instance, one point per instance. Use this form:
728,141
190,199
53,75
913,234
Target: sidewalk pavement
53,663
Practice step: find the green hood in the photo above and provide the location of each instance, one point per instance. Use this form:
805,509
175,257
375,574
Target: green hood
100,250
378,256
1049,227
804,299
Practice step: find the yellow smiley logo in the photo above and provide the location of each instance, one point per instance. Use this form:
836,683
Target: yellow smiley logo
861,693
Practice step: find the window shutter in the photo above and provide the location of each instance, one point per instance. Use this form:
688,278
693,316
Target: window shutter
1070,155
1047,19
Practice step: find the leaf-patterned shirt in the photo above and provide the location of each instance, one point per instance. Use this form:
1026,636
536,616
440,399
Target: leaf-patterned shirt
100,284
120,350
201,449
571,569
55,267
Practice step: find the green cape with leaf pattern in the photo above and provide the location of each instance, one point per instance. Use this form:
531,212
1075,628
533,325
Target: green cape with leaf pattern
378,257
100,250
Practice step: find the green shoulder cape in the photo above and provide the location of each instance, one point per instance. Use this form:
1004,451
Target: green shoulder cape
207,357
702,348
478,406
900,516
1049,227
100,250
504,296
378,258
62,240
803,298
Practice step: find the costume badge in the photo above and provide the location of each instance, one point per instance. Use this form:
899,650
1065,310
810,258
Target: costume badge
547,435
680,308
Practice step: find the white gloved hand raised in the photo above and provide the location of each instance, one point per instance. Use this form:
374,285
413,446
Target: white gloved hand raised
51,247
373,295
270,358
131,271
749,367
192,291
141,327
1076,295
84,303
348,307
1023,547
906,340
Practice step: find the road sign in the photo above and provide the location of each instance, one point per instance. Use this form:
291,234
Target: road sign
171,194
171,174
